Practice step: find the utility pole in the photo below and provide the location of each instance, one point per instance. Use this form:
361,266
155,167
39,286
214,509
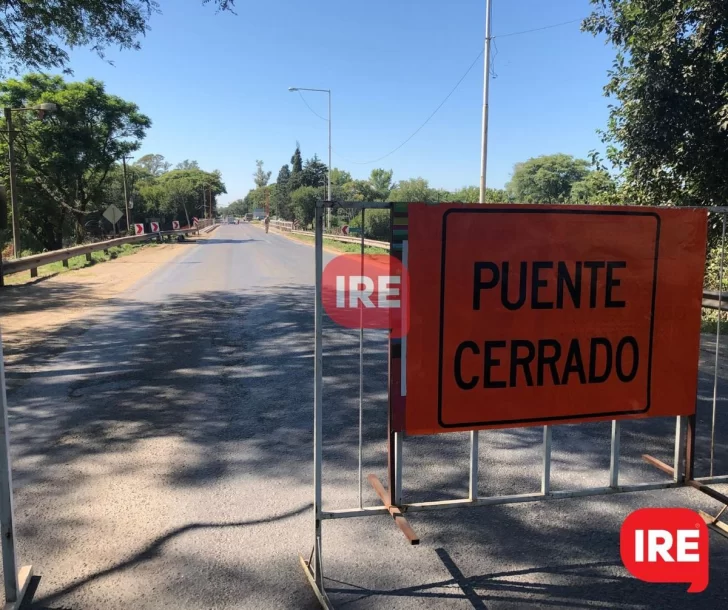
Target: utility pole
126,197
13,188
486,84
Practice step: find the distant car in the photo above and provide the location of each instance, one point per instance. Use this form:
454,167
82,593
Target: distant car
248,217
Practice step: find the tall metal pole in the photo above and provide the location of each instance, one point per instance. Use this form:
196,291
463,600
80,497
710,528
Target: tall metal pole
486,83
328,210
474,449
126,197
13,188
318,382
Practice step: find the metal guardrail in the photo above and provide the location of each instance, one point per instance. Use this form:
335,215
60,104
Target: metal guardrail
714,300
31,263
343,238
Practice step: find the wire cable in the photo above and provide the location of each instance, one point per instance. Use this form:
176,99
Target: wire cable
311,109
427,120
491,71
546,27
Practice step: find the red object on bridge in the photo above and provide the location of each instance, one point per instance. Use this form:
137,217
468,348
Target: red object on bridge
154,226
345,230
175,225
138,229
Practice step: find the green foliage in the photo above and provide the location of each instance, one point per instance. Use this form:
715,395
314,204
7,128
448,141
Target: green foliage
64,161
154,164
187,164
315,173
596,187
415,189
296,169
280,198
303,202
260,177
35,35
546,179
236,208
668,125
381,181
377,224
180,194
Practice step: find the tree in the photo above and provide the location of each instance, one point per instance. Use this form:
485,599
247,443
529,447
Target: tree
596,187
64,161
415,189
471,194
304,201
296,168
154,164
546,179
381,181
315,173
260,176
668,127
181,194
280,199
34,35
187,164
237,208
339,177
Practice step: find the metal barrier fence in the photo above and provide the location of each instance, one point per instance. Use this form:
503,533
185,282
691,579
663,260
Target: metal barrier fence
681,471
31,263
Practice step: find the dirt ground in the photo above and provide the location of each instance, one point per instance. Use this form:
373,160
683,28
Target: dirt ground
29,312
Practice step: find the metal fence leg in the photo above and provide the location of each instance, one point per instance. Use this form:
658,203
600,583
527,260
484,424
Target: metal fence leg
15,582
473,487
717,348
546,473
679,442
614,454
397,500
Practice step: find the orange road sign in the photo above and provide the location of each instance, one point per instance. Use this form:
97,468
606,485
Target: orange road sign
525,315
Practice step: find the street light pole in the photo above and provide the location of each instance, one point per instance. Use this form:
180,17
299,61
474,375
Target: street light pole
328,179
126,197
41,109
13,189
328,210
486,87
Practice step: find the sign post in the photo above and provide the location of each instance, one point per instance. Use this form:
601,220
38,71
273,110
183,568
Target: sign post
154,227
138,229
175,225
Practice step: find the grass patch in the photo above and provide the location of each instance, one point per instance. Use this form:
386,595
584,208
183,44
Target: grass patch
339,246
77,262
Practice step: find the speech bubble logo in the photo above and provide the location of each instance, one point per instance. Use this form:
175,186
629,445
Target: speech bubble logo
666,545
369,291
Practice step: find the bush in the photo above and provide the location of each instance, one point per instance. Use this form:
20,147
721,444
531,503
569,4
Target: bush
377,224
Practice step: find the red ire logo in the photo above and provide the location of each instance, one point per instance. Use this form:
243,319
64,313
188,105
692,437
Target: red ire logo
366,292
666,545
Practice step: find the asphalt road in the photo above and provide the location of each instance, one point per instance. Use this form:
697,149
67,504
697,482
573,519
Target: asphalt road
163,459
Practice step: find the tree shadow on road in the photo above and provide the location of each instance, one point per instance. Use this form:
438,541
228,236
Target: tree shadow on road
228,375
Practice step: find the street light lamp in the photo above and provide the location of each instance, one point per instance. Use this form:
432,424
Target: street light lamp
41,109
328,180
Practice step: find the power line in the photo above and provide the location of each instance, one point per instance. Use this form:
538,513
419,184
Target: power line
427,120
447,97
311,109
546,27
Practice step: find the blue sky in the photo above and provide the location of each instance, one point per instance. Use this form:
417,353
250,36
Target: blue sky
216,85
